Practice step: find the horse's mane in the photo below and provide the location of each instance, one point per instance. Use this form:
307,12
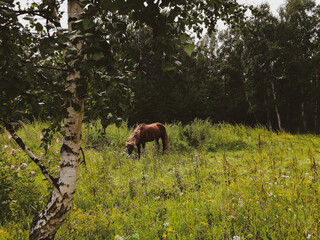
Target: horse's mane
135,136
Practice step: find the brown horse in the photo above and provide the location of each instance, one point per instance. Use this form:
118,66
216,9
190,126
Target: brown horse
147,133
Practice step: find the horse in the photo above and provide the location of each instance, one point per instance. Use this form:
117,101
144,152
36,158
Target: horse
147,133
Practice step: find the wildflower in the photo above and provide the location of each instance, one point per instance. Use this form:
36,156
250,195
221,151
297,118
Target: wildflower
309,236
236,238
23,164
12,167
117,237
170,230
13,151
41,155
32,172
18,170
166,224
9,137
164,236
5,146
3,232
203,223
57,140
286,176
41,136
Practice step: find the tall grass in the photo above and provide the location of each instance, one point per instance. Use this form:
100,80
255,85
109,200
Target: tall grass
215,182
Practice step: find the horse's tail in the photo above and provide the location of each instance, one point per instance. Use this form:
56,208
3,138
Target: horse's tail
164,136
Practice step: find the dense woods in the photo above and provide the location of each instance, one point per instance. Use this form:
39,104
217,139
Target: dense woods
264,71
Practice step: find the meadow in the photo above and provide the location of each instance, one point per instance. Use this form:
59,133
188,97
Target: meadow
216,181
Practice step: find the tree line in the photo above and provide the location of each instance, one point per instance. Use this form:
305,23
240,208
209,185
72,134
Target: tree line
264,70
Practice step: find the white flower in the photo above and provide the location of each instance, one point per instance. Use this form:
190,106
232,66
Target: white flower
286,176
236,238
117,237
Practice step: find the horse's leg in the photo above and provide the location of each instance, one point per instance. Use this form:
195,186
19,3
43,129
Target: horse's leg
143,146
139,152
163,143
157,144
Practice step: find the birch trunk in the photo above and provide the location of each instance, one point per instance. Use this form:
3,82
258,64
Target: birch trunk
276,107
302,112
46,223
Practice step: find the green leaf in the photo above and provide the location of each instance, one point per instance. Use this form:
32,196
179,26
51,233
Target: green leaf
87,23
184,37
97,56
189,49
39,27
168,69
136,236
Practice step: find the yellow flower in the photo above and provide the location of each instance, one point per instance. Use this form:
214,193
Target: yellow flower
169,230
203,223
164,235
3,232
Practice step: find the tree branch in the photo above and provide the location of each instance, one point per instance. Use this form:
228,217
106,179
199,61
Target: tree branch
51,68
53,181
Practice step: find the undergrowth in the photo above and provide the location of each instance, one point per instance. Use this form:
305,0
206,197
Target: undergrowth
216,181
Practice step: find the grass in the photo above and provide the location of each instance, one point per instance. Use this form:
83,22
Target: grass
216,182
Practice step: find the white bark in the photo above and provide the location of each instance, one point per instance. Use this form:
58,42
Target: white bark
276,107
46,224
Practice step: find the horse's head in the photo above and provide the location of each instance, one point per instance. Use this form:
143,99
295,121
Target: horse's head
130,147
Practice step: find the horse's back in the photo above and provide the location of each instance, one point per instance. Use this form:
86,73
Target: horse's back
150,132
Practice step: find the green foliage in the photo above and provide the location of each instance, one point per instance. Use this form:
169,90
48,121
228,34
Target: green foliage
23,191
216,181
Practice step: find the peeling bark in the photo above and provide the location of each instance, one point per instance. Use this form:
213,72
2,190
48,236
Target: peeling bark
46,223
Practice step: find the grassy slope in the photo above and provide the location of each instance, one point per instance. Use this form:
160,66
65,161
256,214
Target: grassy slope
215,182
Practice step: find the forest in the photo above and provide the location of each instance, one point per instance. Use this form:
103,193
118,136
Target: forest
262,69
265,71
230,98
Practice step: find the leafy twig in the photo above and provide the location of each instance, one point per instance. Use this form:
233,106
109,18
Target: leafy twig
53,181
